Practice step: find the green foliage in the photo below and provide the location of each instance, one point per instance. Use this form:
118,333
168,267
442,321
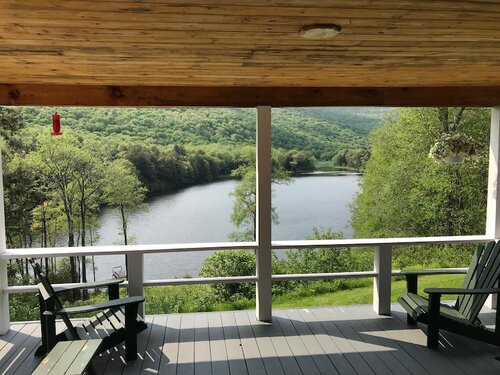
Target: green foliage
320,260
405,194
355,158
244,214
123,191
24,307
11,121
230,263
322,132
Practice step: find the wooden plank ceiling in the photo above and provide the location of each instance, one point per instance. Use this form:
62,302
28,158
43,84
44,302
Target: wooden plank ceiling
383,43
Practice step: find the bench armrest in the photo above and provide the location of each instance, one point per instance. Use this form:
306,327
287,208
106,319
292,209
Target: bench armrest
461,291
97,307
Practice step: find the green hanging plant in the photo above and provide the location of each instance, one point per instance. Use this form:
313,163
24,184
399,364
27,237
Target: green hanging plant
454,148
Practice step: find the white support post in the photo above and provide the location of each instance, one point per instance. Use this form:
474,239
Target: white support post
493,202
4,297
263,223
135,265
382,282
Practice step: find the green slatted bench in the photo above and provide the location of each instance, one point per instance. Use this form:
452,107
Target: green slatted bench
69,357
462,318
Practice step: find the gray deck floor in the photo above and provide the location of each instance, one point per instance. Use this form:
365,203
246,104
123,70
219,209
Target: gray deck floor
336,340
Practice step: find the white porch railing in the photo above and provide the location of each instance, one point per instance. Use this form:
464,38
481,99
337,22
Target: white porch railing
381,273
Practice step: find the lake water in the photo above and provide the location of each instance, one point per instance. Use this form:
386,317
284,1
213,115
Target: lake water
202,214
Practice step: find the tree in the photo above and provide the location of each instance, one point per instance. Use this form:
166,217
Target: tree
124,191
57,159
404,193
244,215
89,178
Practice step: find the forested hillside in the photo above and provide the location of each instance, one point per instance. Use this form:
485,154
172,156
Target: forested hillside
324,132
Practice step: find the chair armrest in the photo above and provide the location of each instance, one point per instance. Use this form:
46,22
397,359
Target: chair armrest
461,291
412,275
97,307
91,285
436,271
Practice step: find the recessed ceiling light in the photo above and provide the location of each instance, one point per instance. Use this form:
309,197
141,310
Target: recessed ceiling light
319,31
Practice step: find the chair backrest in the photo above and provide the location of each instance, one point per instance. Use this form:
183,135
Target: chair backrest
483,272
47,292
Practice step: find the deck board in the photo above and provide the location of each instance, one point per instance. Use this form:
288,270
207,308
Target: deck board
325,340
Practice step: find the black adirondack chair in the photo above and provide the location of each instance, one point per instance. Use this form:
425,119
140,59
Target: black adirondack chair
462,318
117,320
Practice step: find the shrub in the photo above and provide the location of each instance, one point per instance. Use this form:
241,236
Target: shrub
230,263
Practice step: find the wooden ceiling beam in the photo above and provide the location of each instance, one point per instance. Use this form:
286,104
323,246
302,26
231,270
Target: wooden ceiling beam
191,96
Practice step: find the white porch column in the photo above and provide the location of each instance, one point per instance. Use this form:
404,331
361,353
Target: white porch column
493,207
135,277
382,282
4,297
263,224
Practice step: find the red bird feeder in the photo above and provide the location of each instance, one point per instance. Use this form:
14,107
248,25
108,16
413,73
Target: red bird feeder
56,124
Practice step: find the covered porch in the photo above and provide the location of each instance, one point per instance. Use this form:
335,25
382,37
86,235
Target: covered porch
390,53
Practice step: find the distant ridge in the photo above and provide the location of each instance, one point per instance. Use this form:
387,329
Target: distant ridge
323,131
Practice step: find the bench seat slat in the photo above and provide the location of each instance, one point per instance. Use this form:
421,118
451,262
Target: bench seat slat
84,357
68,357
52,358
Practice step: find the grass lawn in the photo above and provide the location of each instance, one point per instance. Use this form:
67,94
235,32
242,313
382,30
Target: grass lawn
165,300
364,295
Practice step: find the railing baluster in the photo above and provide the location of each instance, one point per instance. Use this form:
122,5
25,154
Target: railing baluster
263,225
382,282
493,201
4,297
136,277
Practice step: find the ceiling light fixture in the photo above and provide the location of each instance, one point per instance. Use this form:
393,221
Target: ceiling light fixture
320,31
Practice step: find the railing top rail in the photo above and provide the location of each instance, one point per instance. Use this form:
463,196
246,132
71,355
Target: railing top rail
122,249
171,248
368,242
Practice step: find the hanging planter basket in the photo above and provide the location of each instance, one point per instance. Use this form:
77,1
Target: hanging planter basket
454,149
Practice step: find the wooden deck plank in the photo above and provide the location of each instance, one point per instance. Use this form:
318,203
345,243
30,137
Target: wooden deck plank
326,318
327,343
414,342
17,344
142,345
325,366
267,351
153,353
367,351
283,351
21,354
300,341
218,353
461,350
14,330
234,350
202,356
170,349
299,350
251,351
368,322
185,358
387,355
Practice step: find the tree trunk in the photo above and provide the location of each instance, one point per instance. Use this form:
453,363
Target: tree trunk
124,224
83,210
124,229
444,118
